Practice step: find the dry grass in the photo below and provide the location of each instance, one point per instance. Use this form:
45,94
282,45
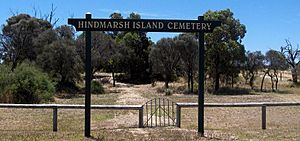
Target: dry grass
283,123
245,123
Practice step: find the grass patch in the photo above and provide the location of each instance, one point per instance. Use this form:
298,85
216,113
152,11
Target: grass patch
220,123
233,91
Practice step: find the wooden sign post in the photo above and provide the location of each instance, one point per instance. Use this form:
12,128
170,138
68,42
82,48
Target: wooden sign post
88,24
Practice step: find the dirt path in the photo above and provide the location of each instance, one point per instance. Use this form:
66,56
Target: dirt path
132,94
129,95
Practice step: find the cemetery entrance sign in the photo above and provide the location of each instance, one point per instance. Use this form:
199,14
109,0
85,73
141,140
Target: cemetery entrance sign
88,24
143,25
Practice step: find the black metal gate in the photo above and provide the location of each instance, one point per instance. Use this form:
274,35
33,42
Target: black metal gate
160,112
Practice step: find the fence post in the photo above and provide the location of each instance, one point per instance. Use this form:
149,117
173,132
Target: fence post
263,117
178,115
141,116
54,119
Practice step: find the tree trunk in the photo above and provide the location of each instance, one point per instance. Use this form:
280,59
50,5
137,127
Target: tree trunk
14,65
262,82
113,76
280,76
251,81
192,82
167,84
294,74
272,81
217,74
232,81
276,81
189,80
217,83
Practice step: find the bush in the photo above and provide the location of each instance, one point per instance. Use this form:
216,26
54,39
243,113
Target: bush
5,82
168,92
97,87
61,62
27,85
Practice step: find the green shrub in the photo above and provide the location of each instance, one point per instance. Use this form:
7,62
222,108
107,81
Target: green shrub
97,87
27,85
5,82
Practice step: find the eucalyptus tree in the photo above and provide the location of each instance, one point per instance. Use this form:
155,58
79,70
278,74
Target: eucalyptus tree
60,59
253,63
275,62
135,54
101,43
222,43
291,55
187,44
17,39
165,59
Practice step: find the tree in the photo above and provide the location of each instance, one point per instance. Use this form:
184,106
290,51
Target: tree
135,54
275,61
187,44
292,58
101,43
165,58
112,59
235,59
221,44
253,62
18,37
60,59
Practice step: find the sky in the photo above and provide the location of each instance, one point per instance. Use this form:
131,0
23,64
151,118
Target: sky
268,22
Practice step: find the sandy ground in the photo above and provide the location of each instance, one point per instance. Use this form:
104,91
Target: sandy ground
132,94
220,123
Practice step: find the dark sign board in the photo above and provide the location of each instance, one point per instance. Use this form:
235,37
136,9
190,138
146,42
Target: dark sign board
146,25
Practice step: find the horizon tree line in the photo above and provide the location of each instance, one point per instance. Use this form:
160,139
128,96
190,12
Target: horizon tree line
60,53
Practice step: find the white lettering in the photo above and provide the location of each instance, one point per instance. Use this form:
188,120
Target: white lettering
170,24
80,24
126,24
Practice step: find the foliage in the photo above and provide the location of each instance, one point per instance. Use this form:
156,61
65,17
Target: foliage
60,60
5,82
253,62
97,87
165,59
274,61
26,85
112,63
223,46
135,56
101,46
18,38
188,47
134,51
